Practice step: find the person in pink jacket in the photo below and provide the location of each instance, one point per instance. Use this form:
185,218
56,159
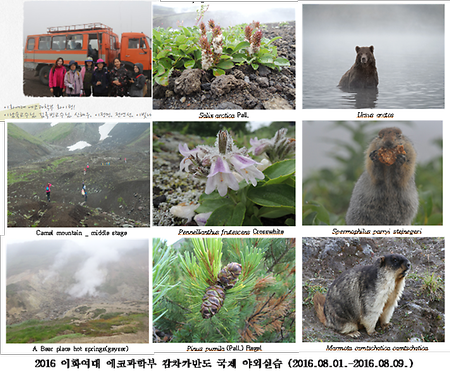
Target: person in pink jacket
56,77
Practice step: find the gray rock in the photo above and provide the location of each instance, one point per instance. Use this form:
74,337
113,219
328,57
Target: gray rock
189,82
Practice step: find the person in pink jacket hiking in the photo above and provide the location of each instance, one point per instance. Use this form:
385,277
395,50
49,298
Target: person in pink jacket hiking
56,77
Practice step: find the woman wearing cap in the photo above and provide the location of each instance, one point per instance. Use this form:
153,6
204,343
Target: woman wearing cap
72,80
86,76
100,79
119,79
56,77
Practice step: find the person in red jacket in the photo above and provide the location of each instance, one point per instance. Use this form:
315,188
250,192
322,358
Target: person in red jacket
56,77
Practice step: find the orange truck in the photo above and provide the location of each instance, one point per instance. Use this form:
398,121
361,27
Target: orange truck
76,42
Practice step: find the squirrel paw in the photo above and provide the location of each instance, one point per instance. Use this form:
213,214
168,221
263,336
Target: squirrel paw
374,155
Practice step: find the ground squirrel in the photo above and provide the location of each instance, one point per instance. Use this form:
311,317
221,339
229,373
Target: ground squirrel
386,193
363,295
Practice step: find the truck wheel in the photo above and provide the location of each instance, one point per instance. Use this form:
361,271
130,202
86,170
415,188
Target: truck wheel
43,75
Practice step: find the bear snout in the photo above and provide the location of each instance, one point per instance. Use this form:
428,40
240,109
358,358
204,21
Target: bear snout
364,59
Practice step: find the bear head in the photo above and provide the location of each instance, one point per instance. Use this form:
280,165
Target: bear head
365,56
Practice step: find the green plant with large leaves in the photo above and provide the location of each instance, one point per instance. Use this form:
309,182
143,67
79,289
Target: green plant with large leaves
180,49
271,198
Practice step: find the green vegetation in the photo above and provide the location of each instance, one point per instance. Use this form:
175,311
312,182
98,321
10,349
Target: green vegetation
17,133
51,331
182,49
260,307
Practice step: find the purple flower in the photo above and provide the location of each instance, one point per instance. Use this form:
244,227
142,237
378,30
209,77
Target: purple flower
245,166
221,178
220,165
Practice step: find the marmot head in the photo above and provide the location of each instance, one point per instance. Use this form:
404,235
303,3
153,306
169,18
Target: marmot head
395,263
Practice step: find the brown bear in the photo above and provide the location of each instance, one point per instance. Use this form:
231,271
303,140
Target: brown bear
363,74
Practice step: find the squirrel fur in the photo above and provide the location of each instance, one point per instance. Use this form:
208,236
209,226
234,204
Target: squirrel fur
386,194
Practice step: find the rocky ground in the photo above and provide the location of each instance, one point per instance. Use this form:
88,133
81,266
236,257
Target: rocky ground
118,193
241,88
170,185
420,315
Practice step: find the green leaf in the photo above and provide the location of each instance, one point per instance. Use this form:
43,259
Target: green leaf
281,61
313,211
280,171
227,214
237,218
162,54
271,40
290,222
218,72
209,205
239,57
225,64
181,39
241,45
266,59
275,212
279,195
189,64
255,66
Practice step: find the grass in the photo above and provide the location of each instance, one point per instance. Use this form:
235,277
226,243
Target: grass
109,324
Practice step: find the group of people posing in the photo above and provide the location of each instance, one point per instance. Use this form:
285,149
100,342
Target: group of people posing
96,80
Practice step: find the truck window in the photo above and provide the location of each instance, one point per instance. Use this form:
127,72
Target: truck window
133,43
112,42
59,42
75,41
44,42
30,44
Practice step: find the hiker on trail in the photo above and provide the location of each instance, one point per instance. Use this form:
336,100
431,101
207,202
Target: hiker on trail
85,171
47,190
84,191
125,160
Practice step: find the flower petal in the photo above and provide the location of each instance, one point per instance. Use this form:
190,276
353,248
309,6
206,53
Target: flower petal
219,166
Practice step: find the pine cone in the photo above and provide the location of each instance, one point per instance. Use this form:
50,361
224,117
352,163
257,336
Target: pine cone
212,301
228,275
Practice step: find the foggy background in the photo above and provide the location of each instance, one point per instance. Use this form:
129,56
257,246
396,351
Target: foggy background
79,265
319,136
225,14
121,16
408,45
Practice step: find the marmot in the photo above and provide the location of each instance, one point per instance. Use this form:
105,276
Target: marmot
363,295
386,193
363,74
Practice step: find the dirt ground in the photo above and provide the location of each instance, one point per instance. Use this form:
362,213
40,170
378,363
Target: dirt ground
118,194
32,86
419,316
253,89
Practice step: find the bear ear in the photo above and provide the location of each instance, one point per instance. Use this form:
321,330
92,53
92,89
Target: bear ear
357,49
371,49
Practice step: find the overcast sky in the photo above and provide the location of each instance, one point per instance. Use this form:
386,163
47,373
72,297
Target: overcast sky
122,16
